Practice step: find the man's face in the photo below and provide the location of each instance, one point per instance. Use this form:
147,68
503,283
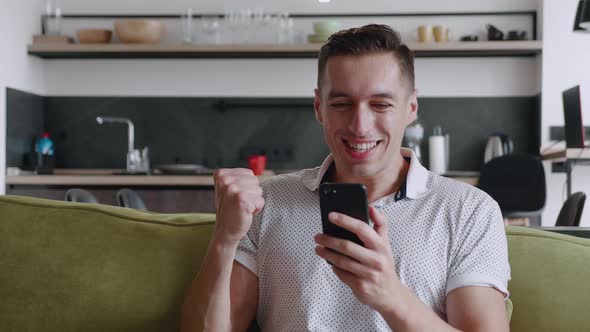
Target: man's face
364,105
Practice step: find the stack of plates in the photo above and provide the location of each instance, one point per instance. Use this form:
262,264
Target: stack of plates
322,31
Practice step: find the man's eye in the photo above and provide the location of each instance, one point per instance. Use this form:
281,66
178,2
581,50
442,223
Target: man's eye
382,105
340,105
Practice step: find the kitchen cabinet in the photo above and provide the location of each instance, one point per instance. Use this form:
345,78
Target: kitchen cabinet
161,193
160,199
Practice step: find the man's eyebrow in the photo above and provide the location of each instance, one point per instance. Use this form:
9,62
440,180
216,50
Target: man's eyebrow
336,94
384,95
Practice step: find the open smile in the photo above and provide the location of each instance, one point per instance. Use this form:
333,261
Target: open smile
360,150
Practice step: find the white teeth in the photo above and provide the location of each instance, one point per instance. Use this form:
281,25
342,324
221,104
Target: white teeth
362,147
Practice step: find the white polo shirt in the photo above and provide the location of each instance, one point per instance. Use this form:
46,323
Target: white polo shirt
444,234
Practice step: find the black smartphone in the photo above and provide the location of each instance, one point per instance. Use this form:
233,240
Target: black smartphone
346,198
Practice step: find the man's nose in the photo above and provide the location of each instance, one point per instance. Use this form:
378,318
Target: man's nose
361,123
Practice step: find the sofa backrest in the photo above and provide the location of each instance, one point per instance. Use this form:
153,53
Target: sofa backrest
550,286
82,267
87,267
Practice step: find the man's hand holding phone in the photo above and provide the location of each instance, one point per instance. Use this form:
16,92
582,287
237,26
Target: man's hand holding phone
238,196
368,270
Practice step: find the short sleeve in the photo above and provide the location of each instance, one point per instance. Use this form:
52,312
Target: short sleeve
480,254
248,246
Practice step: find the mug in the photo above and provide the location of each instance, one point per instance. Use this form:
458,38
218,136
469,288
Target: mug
441,33
257,164
424,34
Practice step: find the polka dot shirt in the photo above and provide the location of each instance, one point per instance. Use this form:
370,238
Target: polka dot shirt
444,234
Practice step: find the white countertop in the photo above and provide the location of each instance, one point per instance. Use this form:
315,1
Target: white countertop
102,177
105,177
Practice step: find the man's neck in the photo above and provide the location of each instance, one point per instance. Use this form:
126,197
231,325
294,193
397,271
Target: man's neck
382,184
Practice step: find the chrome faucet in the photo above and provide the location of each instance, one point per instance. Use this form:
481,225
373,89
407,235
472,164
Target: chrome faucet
137,161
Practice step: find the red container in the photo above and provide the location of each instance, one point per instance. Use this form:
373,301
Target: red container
257,164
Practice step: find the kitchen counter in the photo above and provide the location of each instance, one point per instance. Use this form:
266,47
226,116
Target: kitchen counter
107,177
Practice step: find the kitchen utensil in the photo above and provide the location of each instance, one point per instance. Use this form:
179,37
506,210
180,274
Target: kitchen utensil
184,169
187,26
257,164
52,39
322,31
53,19
494,33
325,27
517,35
211,30
498,145
441,33
424,33
317,38
139,31
414,134
94,36
437,151
470,38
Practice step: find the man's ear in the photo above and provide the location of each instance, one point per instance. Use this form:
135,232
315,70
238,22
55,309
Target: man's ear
316,106
412,108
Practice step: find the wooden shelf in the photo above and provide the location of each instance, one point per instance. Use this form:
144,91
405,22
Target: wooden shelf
164,51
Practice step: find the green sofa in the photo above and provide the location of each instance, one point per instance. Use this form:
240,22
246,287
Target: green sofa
83,267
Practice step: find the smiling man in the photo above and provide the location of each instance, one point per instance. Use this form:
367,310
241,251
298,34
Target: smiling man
434,258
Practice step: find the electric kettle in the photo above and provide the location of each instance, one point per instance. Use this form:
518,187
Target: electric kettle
498,145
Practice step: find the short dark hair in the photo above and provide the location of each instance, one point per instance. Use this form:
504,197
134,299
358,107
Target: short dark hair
368,39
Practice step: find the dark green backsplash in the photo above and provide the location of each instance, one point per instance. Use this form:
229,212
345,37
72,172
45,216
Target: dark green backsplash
213,131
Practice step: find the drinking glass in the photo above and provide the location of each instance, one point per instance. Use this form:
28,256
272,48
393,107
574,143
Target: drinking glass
187,26
54,17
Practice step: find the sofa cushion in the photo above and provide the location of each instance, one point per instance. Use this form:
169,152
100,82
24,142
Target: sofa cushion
82,267
550,286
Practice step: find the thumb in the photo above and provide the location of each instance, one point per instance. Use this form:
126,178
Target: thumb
258,204
380,221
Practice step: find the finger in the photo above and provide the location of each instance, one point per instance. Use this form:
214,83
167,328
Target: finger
258,204
250,203
348,248
343,262
236,185
348,278
240,179
225,171
223,176
252,189
380,222
365,233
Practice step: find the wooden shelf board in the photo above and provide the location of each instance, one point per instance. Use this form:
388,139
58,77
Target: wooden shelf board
135,51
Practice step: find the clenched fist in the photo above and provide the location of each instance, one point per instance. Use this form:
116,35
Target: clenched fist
238,196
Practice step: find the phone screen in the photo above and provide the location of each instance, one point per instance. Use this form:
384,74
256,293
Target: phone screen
346,198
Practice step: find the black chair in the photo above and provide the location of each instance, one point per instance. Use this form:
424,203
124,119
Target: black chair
130,199
517,183
80,196
571,210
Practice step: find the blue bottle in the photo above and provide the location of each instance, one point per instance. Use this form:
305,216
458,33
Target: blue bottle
45,145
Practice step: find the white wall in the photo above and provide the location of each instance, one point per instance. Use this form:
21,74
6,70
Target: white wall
19,20
452,77
296,6
565,64
435,77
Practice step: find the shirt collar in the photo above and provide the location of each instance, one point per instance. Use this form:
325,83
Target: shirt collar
416,180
